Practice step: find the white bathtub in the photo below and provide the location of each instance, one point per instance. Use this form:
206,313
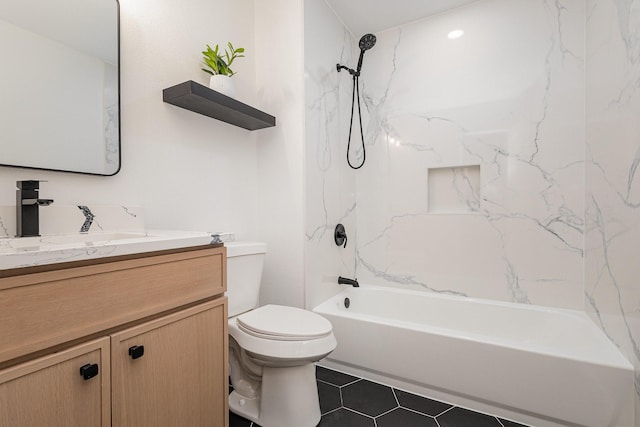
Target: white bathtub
544,367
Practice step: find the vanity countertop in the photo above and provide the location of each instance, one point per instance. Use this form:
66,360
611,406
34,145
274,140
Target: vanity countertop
53,249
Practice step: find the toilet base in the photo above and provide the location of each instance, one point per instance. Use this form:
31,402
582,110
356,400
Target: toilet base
288,398
246,408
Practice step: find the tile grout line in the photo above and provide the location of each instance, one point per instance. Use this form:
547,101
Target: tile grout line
331,411
340,388
359,413
418,412
397,401
352,382
393,390
385,413
375,419
425,397
445,411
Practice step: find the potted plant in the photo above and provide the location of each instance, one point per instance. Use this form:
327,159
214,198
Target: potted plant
219,66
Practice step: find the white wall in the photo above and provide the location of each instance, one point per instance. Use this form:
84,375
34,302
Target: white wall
279,71
186,170
189,171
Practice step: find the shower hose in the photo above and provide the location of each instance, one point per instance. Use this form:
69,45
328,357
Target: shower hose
356,94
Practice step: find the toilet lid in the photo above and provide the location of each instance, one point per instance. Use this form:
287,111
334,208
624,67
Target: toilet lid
277,322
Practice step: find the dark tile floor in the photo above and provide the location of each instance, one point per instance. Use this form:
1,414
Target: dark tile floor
348,401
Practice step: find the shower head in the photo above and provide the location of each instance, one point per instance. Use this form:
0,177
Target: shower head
366,42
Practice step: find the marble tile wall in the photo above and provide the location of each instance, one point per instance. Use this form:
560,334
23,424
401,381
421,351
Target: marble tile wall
64,219
548,111
612,239
507,96
329,183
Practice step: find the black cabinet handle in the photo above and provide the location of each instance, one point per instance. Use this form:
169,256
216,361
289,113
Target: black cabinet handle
89,371
136,352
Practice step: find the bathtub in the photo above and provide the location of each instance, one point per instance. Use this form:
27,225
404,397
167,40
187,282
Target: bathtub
534,365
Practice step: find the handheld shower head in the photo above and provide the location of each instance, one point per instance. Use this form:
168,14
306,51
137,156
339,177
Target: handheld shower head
366,42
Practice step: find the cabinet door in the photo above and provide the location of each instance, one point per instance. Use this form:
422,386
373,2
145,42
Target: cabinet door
52,392
173,371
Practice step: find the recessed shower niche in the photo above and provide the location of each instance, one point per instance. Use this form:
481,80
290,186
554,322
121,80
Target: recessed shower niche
453,189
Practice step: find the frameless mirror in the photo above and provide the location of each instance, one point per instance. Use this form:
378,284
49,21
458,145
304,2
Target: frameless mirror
59,85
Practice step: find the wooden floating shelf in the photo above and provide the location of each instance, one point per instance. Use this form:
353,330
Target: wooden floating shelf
208,102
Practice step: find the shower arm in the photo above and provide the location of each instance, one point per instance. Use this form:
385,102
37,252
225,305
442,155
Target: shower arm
350,70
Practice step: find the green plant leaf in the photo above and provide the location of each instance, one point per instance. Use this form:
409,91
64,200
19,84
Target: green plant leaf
220,62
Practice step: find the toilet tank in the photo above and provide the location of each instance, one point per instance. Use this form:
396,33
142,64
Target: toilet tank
244,273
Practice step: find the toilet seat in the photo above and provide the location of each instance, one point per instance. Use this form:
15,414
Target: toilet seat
280,334
281,323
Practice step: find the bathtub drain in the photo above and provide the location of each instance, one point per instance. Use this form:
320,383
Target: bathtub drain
347,303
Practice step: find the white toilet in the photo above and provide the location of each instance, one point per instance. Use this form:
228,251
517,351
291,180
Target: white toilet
271,348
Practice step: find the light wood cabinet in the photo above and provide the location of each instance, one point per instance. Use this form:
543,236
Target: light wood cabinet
53,323
174,374
41,309
51,392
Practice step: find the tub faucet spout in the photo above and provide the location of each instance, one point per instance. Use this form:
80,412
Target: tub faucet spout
346,281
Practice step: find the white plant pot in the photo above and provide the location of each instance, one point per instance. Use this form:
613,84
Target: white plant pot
222,84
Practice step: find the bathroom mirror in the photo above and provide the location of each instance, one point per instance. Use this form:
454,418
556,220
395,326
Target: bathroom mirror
59,85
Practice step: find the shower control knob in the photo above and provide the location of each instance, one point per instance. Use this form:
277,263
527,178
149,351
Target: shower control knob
340,236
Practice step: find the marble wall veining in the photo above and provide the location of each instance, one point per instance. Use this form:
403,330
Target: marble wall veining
543,98
612,239
68,219
329,183
507,98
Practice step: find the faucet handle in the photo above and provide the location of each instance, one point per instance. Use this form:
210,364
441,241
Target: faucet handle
340,236
29,184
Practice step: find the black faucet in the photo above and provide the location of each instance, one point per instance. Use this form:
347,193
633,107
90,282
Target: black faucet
345,281
27,204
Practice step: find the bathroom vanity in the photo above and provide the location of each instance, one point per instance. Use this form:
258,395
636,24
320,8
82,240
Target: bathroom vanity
131,340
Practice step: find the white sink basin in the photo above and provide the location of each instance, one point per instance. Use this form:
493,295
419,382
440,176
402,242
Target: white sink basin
30,251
